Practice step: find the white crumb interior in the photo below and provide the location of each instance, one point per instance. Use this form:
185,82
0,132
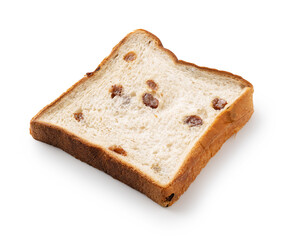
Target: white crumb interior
156,140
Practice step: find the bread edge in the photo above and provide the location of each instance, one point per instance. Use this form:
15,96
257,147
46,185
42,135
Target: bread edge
226,124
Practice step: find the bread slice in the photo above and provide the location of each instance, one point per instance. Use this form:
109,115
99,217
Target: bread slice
147,118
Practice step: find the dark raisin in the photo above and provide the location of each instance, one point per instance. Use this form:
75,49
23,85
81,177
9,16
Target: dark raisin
118,149
131,56
169,198
193,120
116,90
150,101
89,74
152,84
219,103
78,116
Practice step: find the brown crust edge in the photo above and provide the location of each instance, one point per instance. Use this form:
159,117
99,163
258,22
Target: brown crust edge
228,122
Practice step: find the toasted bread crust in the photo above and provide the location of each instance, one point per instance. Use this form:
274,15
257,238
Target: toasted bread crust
226,124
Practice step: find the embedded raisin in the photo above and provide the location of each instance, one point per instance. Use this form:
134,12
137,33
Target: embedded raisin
169,198
89,74
118,149
150,101
193,120
152,84
116,90
219,103
78,116
131,56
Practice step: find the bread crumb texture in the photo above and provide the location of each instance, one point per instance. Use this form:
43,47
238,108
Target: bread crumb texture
108,108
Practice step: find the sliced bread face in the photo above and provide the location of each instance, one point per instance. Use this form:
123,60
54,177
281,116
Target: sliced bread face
148,113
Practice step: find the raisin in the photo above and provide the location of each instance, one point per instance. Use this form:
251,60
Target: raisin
116,90
219,103
152,84
118,149
78,116
131,56
169,198
89,74
193,120
150,101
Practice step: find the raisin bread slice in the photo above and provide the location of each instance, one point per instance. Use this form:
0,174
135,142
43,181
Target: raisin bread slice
146,118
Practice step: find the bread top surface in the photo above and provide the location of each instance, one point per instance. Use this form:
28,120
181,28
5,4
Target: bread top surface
145,107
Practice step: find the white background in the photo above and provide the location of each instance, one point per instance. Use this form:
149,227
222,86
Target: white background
46,46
